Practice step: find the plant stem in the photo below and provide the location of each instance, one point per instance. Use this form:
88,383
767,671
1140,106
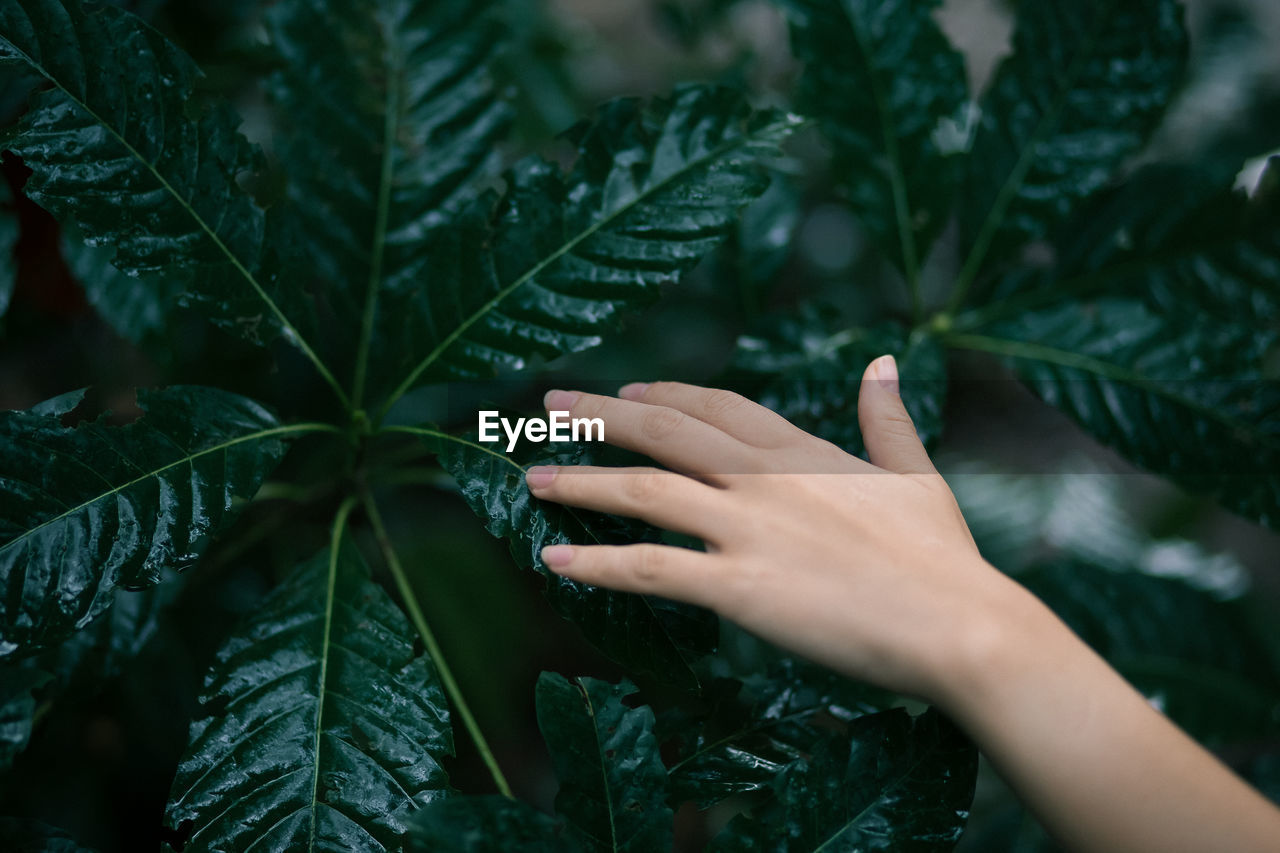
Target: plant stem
429,640
379,233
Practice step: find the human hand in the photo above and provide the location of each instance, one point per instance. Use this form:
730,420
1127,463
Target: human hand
866,567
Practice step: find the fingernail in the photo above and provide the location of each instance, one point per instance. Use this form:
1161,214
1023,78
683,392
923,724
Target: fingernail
559,401
540,476
634,391
557,556
887,372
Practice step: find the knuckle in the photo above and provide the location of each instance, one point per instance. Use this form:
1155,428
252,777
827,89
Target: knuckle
642,487
900,422
660,423
647,565
721,402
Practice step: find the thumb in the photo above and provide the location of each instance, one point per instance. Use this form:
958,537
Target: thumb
887,430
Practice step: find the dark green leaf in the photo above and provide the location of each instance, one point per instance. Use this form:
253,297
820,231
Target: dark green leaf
98,651
489,824
897,783
391,117
552,264
137,307
1173,237
808,368
87,509
756,729
1085,86
123,145
17,707
1218,681
613,786
16,86
650,634
1181,397
18,835
887,86
322,728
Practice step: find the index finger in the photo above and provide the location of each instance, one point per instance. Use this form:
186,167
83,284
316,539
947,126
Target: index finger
745,420
673,438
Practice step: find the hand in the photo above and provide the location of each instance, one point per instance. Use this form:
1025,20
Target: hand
866,567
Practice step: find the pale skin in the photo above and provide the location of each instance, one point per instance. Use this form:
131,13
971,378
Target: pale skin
870,569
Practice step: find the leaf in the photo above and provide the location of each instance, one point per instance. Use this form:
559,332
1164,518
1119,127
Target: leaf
886,84
19,835
1218,681
392,118
486,824
645,633
612,781
808,368
549,266
1085,86
99,650
16,86
138,307
322,728
17,708
1175,238
87,509
123,145
897,783
756,729
1183,398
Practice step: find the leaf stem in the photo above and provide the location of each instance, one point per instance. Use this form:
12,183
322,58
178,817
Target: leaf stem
429,640
291,332
783,126
185,460
1013,183
335,540
379,233
901,204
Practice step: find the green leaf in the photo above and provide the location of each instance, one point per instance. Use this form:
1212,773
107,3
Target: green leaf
99,650
123,145
887,85
16,86
1172,236
613,785
486,824
138,307
756,729
18,835
392,117
1217,681
549,266
17,707
1180,397
643,632
897,783
322,728
808,368
1084,88
87,509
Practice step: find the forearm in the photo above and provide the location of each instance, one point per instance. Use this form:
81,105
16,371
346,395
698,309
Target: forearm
1101,768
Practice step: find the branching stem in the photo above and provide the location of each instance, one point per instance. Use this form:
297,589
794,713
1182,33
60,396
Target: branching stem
429,640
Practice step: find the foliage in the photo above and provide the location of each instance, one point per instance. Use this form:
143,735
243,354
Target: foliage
382,237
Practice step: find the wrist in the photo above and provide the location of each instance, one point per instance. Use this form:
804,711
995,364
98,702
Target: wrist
1008,639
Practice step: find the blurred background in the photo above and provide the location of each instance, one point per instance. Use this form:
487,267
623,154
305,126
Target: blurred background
102,758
